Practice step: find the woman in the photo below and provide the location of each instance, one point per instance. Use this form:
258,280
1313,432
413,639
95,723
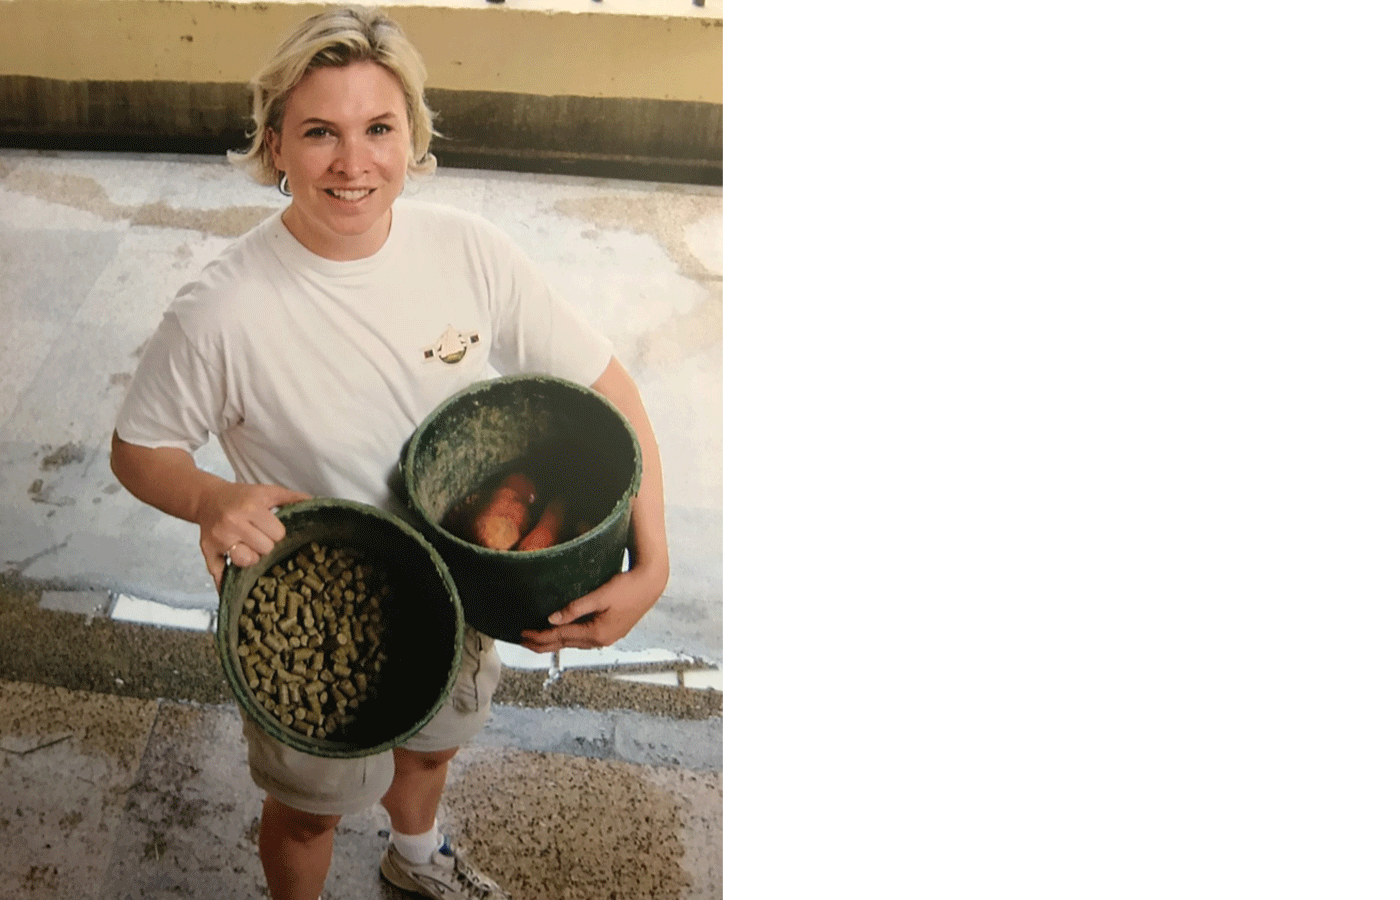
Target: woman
302,349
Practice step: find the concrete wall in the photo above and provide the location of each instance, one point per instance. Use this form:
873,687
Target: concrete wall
628,88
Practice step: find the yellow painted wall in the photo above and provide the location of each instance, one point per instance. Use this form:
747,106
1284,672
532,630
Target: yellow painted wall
651,49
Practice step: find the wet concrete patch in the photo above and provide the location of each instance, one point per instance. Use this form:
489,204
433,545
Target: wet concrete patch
618,734
88,194
185,830
663,214
692,332
667,216
67,759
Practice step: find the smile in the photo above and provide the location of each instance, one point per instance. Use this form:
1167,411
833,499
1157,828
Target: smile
350,196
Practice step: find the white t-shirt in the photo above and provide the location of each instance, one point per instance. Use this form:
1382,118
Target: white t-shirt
313,373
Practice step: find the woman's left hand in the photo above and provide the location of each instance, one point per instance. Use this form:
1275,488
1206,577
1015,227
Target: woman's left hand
600,618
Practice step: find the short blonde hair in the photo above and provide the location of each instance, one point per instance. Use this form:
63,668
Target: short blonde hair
332,39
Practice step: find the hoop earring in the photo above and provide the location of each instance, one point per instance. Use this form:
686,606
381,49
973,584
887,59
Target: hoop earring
282,186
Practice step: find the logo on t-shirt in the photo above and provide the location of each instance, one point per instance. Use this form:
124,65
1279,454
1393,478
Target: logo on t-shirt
451,345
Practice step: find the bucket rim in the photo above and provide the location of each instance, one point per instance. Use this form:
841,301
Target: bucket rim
233,671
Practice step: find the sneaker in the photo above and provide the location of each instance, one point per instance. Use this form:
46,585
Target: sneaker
446,876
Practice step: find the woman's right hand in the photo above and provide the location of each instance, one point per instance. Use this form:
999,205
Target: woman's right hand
237,523
234,519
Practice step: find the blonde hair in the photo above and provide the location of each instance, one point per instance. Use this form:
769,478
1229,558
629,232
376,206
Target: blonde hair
337,38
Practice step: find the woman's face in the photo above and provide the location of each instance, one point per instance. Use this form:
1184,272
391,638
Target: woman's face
344,145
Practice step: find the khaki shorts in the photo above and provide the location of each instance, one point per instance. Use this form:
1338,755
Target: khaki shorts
342,786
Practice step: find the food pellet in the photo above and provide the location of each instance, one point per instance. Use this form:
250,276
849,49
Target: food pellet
323,605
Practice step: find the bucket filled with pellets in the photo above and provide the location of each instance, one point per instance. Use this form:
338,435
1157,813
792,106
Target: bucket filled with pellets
524,484
344,639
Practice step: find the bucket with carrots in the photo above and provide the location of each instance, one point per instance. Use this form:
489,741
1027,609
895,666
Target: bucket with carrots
524,484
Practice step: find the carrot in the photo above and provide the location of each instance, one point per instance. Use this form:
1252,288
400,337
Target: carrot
502,520
546,530
521,485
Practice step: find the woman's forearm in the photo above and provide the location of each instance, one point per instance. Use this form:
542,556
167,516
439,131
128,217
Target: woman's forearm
164,477
648,549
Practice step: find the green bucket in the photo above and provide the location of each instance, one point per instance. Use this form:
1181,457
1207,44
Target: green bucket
420,644
572,440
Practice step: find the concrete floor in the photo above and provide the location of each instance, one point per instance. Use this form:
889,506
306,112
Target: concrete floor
105,795
93,247
118,797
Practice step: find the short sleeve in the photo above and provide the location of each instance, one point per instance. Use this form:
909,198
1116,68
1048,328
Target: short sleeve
537,330
177,397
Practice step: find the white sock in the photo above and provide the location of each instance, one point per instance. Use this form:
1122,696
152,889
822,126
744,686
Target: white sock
417,848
